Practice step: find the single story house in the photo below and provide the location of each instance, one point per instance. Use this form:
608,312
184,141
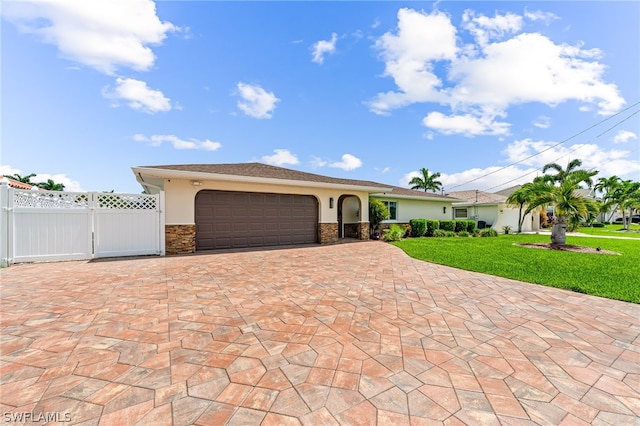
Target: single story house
19,185
491,210
215,206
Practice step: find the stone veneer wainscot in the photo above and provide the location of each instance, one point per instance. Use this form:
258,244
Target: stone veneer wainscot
327,233
180,239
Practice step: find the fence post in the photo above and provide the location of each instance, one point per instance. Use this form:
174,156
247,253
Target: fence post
6,233
161,226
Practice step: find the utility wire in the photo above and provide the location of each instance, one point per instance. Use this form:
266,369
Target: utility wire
559,143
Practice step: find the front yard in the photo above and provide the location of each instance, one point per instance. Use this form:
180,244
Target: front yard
604,275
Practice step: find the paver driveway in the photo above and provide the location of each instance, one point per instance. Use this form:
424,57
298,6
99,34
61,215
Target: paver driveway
347,334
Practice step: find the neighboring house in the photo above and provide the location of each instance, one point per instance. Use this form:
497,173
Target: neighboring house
19,185
491,210
214,206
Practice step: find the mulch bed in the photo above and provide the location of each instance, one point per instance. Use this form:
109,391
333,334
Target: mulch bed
567,247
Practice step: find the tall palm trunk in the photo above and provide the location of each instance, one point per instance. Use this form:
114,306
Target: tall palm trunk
559,231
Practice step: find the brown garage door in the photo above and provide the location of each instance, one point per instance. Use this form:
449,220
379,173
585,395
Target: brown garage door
227,219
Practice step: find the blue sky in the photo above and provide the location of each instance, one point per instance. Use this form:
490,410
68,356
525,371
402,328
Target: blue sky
485,93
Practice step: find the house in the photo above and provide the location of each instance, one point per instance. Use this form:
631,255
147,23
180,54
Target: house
491,210
19,185
215,206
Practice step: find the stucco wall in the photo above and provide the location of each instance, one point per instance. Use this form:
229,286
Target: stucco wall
180,198
419,209
499,216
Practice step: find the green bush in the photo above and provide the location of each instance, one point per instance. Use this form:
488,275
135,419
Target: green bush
439,233
488,232
447,225
471,226
459,225
418,227
450,234
432,226
463,234
597,225
394,233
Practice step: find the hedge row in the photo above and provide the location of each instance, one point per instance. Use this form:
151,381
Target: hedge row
428,227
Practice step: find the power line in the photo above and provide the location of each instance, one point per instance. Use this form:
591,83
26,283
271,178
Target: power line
559,143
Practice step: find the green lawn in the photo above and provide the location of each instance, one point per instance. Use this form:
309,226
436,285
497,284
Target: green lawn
610,276
612,231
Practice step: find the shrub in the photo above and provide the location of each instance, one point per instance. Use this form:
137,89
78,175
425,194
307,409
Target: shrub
597,225
432,226
459,225
606,222
439,233
407,229
488,232
377,213
506,229
418,227
447,225
471,226
394,233
463,234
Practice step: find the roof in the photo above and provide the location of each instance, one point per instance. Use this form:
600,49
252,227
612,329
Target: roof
255,170
17,184
406,192
508,191
478,197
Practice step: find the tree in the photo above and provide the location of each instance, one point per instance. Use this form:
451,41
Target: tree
426,182
50,185
377,213
607,186
627,196
523,198
23,179
560,190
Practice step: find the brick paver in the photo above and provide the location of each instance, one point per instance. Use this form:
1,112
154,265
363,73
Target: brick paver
354,333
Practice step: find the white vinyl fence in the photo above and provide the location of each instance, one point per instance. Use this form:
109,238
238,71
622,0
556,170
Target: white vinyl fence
54,225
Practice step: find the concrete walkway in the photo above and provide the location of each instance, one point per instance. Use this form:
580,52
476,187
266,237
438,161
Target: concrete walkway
347,334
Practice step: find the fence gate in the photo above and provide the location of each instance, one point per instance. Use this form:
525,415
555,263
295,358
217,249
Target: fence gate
55,225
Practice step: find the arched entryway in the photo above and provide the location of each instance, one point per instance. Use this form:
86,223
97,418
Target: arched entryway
349,216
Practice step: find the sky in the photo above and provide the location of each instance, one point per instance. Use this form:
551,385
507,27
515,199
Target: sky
485,93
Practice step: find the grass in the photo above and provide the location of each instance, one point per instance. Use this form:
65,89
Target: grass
612,230
610,276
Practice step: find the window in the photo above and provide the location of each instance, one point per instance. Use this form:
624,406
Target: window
460,213
392,206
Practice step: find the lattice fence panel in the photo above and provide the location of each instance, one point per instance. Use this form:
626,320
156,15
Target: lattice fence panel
50,200
127,202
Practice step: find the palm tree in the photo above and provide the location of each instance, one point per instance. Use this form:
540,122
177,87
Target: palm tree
607,186
627,196
560,190
50,185
427,182
523,198
23,179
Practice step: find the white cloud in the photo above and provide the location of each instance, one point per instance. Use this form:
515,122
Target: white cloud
624,136
324,47
502,68
178,143
349,162
404,180
489,179
317,162
538,15
542,122
104,35
280,158
138,96
70,185
256,102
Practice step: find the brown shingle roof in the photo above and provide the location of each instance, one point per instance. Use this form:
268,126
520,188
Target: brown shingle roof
260,170
478,197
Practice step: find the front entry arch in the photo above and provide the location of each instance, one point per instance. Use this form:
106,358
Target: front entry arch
349,216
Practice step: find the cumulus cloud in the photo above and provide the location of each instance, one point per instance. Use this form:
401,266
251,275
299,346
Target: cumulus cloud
501,68
280,158
624,136
542,122
317,162
70,185
349,162
322,48
255,101
104,35
178,143
137,95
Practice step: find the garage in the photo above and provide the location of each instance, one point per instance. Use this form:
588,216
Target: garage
233,219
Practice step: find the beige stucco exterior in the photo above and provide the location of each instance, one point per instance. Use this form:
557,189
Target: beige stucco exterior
499,215
180,198
408,209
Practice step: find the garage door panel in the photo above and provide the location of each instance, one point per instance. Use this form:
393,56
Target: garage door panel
226,219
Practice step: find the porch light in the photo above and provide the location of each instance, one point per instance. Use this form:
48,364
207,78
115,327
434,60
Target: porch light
330,202
444,210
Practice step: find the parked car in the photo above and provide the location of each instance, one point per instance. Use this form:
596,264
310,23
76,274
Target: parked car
634,218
